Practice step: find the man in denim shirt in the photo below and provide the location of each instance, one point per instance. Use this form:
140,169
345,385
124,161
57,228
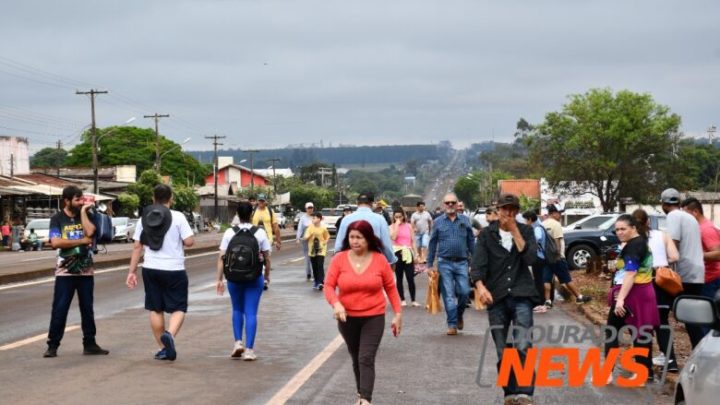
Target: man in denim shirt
378,223
451,242
500,270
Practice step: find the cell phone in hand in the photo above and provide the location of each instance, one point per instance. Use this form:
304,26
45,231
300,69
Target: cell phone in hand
394,330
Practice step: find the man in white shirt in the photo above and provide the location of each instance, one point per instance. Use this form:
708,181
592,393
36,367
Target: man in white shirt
421,222
162,235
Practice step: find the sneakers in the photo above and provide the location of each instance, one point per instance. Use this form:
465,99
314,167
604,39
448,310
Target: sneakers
50,352
415,304
523,399
581,299
249,355
659,360
548,304
452,331
320,287
308,277
403,303
167,340
94,349
540,309
238,349
161,354
461,324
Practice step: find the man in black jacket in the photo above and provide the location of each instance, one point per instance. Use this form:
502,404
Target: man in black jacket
500,271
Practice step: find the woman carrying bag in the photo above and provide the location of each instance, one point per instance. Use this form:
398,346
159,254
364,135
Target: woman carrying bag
362,274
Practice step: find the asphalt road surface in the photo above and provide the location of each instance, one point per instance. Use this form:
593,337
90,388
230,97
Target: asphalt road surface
301,359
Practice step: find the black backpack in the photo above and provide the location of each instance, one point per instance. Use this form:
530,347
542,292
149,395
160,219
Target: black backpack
552,253
241,262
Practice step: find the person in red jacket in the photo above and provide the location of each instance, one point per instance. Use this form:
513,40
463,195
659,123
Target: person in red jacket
362,273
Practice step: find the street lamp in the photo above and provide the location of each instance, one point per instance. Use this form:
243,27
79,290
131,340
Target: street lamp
95,150
180,145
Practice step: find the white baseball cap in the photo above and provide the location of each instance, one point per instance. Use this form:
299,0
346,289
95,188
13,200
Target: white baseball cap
309,204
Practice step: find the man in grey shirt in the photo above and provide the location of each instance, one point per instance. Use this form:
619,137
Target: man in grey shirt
685,232
421,222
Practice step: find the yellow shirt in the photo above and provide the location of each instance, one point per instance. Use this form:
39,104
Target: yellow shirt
263,216
320,233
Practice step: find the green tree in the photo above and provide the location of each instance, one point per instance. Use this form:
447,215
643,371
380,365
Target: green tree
49,157
129,204
614,144
186,199
143,188
319,196
136,146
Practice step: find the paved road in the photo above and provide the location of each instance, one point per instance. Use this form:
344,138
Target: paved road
296,332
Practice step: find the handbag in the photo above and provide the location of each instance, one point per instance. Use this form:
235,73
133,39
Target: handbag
668,280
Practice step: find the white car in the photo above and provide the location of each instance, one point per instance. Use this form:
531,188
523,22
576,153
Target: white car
42,229
699,381
121,229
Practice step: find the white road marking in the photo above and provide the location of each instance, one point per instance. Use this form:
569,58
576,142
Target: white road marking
111,269
303,375
34,339
295,260
37,258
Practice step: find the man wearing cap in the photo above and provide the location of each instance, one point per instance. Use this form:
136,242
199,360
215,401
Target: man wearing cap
685,232
263,218
71,232
451,242
560,268
346,211
303,224
378,223
503,253
162,235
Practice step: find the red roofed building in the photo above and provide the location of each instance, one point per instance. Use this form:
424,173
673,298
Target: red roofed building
530,188
239,177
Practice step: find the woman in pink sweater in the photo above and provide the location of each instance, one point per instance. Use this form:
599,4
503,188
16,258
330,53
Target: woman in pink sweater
361,273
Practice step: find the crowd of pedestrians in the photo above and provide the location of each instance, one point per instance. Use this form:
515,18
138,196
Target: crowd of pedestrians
510,265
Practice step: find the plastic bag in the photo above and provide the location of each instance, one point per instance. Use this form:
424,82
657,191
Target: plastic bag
432,302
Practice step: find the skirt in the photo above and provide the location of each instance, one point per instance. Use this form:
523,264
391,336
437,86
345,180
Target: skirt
642,304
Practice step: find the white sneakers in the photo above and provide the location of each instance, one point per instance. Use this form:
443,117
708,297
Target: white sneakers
238,349
403,303
249,355
415,304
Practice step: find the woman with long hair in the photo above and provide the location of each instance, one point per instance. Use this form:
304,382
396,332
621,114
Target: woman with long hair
404,247
632,297
664,253
362,274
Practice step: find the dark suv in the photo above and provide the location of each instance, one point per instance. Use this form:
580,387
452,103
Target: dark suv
595,236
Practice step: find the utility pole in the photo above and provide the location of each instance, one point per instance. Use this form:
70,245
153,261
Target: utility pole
215,169
252,153
273,162
92,94
59,148
12,165
157,117
323,171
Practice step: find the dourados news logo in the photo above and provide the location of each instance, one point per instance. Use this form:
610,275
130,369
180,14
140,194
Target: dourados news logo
556,351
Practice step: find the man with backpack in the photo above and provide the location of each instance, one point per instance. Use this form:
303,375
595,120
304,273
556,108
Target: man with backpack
71,232
560,267
162,235
538,267
244,252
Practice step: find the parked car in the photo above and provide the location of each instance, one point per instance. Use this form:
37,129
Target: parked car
281,220
42,230
121,229
595,236
699,380
132,223
330,217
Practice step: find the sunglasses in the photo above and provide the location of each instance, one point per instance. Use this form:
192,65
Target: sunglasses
450,202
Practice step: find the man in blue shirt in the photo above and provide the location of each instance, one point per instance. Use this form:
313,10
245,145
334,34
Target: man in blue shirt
378,223
451,242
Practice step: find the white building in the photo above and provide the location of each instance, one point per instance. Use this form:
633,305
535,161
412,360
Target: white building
14,156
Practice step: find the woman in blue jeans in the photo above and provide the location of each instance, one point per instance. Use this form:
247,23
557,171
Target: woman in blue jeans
244,296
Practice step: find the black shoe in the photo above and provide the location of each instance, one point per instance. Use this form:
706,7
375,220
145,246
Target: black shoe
582,299
50,352
672,367
169,342
94,349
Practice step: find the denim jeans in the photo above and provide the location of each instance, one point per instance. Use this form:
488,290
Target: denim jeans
518,311
306,253
454,282
65,287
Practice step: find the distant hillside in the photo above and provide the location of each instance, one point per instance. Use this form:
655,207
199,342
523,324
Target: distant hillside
344,155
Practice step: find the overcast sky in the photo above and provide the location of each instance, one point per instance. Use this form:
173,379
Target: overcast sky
271,73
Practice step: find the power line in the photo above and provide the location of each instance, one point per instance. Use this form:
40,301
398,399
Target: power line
157,117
